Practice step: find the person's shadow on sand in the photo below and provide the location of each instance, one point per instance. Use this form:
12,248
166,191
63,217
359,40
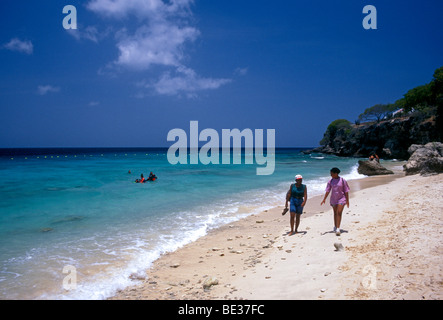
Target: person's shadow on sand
289,233
341,231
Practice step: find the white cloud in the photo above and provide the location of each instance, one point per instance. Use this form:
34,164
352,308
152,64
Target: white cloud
20,46
140,8
42,90
241,71
160,39
159,44
185,81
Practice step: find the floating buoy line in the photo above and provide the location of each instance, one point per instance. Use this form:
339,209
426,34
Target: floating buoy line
77,156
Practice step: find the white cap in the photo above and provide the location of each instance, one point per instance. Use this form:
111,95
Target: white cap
298,177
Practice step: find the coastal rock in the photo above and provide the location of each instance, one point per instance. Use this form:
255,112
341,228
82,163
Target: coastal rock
425,159
372,168
209,282
390,139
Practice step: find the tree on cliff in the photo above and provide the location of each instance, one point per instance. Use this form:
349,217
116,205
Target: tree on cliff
417,98
427,98
427,95
377,112
342,125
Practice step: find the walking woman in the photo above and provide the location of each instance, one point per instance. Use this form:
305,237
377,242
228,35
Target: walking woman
339,189
297,195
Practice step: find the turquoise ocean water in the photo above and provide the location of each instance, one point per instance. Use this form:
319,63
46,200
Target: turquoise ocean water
81,208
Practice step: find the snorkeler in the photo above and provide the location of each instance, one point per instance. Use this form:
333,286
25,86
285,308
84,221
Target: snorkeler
152,177
141,180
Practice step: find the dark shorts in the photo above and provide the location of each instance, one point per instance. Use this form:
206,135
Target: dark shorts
296,205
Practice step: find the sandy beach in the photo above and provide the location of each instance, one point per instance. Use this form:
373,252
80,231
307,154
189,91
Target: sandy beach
390,248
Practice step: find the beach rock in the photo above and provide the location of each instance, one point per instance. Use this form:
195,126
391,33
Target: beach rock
209,282
425,159
372,168
136,276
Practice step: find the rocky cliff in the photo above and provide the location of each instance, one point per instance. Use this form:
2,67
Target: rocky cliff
390,139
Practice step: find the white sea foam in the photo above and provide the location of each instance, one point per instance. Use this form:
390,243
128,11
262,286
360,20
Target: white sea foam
353,175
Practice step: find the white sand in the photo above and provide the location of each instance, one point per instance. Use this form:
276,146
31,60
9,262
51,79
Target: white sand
392,250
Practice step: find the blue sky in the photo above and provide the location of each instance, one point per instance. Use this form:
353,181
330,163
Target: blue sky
133,70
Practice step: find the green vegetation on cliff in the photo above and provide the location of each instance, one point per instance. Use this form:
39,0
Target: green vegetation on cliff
423,97
333,128
378,112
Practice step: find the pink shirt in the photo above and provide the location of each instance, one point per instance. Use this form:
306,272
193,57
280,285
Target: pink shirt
337,188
